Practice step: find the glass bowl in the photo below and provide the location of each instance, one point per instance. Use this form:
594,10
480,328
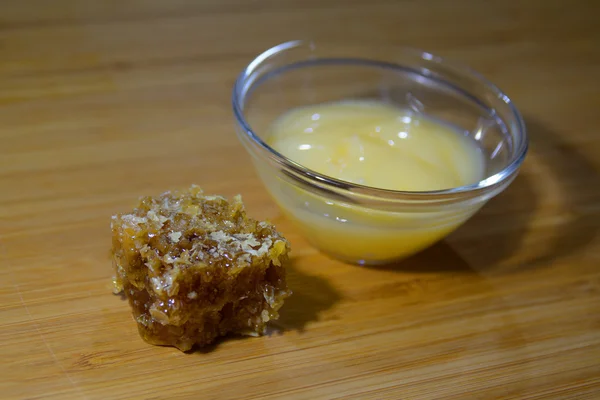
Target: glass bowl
356,223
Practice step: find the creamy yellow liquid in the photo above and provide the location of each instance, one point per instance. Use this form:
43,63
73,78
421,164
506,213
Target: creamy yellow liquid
377,145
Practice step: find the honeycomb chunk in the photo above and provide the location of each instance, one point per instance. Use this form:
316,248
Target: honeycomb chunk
195,267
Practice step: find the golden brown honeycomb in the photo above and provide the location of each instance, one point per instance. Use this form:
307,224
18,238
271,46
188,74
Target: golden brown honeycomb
195,267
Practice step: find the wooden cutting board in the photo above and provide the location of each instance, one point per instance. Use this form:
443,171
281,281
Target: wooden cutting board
104,101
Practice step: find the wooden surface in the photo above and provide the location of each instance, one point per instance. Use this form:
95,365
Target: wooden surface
104,101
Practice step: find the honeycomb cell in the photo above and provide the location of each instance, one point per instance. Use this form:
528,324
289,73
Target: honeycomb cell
194,267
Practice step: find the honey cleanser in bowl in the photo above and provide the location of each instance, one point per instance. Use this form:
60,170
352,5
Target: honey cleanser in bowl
375,155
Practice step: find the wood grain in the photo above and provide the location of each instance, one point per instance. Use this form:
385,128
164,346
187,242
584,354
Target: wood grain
104,101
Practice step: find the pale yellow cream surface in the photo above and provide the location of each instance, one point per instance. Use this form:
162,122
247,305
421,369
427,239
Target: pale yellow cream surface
377,145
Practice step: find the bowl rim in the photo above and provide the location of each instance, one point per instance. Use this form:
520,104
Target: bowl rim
485,184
